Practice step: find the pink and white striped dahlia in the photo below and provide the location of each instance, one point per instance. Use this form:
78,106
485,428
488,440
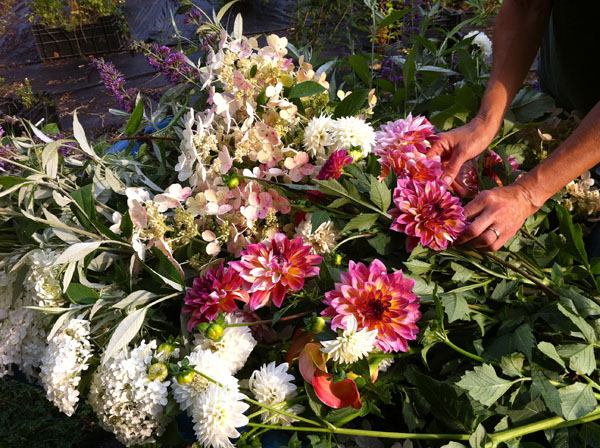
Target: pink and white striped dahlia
417,132
427,212
273,267
214,292
378,301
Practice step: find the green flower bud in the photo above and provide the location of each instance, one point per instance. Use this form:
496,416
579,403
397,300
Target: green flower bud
185,378
338,259
214,332
158,371
316,325
234,182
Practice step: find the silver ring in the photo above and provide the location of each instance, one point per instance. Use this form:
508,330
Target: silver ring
495,231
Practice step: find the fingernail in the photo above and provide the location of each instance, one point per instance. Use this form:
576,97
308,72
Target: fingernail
447,180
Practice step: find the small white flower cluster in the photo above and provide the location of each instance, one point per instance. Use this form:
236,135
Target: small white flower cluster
272,385
482,41
584,197
323,135
234,347
22,330
322,240
352,345
126,401
66,356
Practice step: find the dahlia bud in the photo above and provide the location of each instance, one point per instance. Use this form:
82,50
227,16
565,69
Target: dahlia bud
234,182
356,155
315,324
166,349
158,371
214,332
185,378
338,259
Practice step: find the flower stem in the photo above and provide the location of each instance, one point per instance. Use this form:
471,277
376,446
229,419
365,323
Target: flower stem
462,351
279,411
268,321
362,432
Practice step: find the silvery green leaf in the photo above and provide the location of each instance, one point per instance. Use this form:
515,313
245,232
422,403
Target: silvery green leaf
577,400
62,319
77,252
50,159
79,134
484,385
68,275
127,329
136,298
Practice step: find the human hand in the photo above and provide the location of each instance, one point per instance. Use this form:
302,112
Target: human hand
496,216
460,145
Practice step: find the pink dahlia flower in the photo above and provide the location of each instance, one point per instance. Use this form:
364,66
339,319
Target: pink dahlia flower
416,132
427,212
214,292
468,173
409,164
334,166
273,267
379,301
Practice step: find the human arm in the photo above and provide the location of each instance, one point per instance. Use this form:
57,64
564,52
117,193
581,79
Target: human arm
517,36
506,208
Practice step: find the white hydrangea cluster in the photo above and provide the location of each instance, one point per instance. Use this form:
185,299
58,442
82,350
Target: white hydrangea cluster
272,385
322,240
217,415
233,348
126,401
22,330
323,135
208,363
66,356
352,345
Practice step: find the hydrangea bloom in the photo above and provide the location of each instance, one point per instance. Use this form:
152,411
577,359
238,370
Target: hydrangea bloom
427,212
217,415
378,301
66,356
272,385
334,166
233,348
273,267
214,292
126,401
208,363
468,172
352,345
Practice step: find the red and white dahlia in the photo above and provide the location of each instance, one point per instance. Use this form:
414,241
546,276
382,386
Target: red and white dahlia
273,267
378,300
427,212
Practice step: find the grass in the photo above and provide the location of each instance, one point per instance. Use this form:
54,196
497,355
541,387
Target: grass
28,419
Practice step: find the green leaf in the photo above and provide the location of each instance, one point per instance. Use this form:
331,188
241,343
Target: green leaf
11,181
581,357
166,268
523,339
504,289
339,202
541,386
127,329
467,65
381,243
478,438
81,294
461,273
484,385
585,306
417,267
380,195
585,328
550,351
306,88
573,234
590,434
512,364
361,222
85,199
318,218
351,104
453,445
410,69
392,18
135,120
455,306
576,400
529,105
361,67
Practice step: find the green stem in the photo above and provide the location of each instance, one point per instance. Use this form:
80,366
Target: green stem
279,411
462,351
268,321
542,425
362,432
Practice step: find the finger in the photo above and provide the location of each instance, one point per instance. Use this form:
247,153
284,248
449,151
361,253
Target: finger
476,228
459,189
476,206
452,168
438,147
484,241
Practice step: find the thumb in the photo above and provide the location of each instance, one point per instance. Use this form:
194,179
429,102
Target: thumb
452,168
438,147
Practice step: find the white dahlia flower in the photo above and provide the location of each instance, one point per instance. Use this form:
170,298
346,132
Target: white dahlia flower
482,41
272,385
126,401
352,345
216,416
322,240
234,347
66,356
317,136
212,366
351,132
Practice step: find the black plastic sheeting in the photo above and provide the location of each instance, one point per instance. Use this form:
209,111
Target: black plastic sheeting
149,20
